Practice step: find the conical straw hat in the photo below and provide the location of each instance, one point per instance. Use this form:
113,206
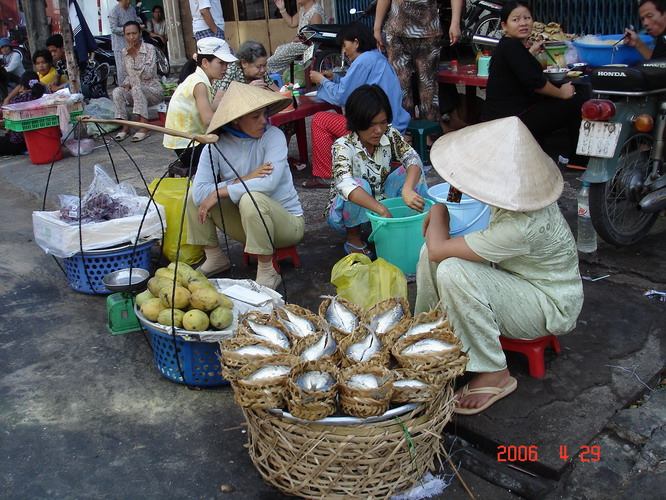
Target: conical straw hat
241,99
498,163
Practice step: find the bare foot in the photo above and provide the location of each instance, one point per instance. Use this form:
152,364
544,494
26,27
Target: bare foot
488,379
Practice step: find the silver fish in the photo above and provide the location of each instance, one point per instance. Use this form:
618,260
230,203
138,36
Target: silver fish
409,383
291,327
315,381
340,317
363,381
303,327
270,371
427,346
255,350
383,322
422,328
325,346
364,350
270,333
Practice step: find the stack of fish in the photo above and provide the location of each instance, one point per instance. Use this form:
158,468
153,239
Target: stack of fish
296,348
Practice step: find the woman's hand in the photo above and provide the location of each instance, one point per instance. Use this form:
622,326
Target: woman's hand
537,47
413,199
205,206
567,91
316,77
260,171
384,212
259,82
378,37
279,4
454,33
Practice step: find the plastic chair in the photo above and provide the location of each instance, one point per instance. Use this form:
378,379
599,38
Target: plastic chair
280,254
534,350
419,130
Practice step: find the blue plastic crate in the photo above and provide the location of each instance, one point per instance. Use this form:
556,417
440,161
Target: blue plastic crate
199,360
85,271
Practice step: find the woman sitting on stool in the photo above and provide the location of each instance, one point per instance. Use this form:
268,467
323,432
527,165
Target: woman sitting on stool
532,287
518,87
263,212
362,163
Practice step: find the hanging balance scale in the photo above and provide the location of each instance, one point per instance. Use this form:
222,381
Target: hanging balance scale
120,305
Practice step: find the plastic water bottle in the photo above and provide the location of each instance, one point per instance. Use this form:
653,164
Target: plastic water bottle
586,241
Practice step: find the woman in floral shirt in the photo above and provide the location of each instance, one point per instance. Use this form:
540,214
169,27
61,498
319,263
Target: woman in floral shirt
364,159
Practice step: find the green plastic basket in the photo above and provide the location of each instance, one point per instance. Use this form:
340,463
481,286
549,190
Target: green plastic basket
39,122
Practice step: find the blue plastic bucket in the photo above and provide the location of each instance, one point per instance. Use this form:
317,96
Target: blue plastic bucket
599,55
467,216
399,240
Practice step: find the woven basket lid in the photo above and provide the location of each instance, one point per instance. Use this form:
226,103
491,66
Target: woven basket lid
498,163
241,99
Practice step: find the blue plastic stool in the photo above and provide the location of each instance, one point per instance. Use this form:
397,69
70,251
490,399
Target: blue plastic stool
419,130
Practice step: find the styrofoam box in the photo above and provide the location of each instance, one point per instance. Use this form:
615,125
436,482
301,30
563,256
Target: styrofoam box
61,239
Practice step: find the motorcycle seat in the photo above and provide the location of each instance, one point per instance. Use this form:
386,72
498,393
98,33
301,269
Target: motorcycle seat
328,28
645,76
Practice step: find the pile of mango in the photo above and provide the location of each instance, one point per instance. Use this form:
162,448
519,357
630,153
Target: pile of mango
196,304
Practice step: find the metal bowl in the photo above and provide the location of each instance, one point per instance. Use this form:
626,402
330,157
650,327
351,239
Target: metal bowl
579,66
556,74
120,281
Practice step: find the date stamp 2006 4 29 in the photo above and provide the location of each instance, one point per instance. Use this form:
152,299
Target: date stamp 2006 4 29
513,453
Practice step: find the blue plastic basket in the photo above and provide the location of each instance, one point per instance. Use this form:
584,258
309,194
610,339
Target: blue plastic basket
85,271
199,360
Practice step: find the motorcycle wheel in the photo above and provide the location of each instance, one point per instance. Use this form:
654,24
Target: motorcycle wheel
489,26
615,212
163,66
328,61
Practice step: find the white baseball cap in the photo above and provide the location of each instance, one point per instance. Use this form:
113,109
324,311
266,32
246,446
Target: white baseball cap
211,46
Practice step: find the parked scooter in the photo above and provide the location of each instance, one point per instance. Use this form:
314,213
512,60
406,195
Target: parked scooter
623,134
482,19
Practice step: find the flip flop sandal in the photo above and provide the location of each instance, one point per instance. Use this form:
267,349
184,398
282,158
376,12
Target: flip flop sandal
120,136
314,183
497,392
140,136
364,249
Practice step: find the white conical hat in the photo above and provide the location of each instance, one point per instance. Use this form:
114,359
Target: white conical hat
241,99
499,163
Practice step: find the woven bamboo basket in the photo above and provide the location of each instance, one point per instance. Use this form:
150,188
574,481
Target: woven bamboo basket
381,357
312,405
364,460
303,343
231,361
433,316
302,312
265,392
271,319
403,394
365,403
337,333
436,362
383,306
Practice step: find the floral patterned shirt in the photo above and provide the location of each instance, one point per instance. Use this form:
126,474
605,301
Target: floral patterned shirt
352,161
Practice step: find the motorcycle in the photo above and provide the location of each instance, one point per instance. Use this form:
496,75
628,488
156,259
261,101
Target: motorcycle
323,46
482,19
622,133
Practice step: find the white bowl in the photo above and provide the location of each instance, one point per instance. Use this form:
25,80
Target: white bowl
556,74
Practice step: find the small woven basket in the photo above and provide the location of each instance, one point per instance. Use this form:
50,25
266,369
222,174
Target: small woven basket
267,319
304,343
312,405
302,312
337,333
435,362
381,357
265,392
365,460
232,362
383,306
403,394
433,316
364,403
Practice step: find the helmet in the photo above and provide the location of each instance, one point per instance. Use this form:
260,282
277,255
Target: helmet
4,41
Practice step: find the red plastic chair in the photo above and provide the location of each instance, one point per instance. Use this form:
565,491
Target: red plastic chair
534,350
280,254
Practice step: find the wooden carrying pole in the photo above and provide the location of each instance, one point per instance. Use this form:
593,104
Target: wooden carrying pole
202,138
72,66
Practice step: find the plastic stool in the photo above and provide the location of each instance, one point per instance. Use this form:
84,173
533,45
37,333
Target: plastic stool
420,130
534,350
280,254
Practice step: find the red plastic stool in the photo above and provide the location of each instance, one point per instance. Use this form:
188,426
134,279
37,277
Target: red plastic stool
534,350
280,254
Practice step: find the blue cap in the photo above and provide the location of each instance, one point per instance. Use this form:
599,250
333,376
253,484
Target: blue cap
4,41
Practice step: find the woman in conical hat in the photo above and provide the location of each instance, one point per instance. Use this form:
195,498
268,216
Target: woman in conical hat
263,211
519,277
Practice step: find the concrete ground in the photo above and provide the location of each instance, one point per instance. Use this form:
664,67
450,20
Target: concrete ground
85,414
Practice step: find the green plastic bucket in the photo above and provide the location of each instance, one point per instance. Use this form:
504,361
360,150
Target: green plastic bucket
399,240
